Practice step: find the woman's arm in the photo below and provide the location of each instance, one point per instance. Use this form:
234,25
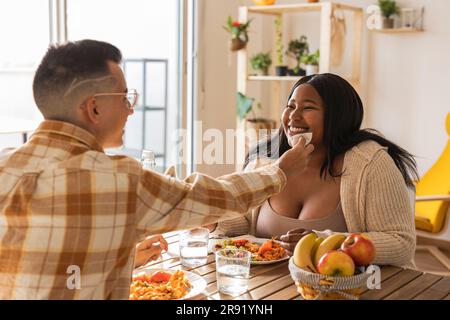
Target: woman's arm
388,215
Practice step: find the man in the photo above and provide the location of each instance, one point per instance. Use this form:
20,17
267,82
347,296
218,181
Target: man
70,215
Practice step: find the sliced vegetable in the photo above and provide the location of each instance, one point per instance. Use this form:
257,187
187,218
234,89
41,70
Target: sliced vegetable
160,276
141,278
267,246
240,242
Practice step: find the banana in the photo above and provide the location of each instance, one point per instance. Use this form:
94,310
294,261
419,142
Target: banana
302,252
331,243
317,243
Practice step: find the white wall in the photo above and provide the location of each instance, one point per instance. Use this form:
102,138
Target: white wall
404,77
216,75
408,87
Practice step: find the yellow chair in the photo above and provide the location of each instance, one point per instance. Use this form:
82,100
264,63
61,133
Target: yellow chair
432,206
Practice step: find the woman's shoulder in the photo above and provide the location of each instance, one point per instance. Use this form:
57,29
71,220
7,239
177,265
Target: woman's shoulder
365,151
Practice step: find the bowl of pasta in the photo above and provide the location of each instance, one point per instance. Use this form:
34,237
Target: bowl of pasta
162,284
264,251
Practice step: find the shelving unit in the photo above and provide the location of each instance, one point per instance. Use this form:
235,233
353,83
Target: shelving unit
398,30
272,78
326,10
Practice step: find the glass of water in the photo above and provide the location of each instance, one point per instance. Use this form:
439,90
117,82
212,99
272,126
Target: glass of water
233,270
194,247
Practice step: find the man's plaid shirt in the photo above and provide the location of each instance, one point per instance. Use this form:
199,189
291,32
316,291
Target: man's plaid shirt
64,202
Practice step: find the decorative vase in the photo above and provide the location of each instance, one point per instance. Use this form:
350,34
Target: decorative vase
311,69
237,44
388,23
281,70
264,2
297,72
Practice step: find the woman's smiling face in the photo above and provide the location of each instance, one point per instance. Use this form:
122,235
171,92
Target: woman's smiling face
304,112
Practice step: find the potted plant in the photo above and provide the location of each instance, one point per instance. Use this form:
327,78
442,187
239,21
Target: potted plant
238,31
296,49
280,69
311,62
244,107
262,62
388,8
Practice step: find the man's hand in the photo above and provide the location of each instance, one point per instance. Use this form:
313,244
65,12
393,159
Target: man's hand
149,249
210,227
290,239
295,160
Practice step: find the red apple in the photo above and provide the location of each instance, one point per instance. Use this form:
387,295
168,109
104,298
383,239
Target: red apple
360,248
336,263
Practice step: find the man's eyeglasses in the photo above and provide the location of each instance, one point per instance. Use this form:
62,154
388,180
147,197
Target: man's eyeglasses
131,96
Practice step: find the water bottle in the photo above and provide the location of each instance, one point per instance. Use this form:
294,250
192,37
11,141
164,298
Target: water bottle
148,160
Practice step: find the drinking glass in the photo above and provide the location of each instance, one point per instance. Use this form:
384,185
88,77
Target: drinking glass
233,270
194,247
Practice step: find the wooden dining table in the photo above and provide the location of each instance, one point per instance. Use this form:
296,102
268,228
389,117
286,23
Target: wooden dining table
274,282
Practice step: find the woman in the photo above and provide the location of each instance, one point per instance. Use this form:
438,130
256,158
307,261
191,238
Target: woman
356,180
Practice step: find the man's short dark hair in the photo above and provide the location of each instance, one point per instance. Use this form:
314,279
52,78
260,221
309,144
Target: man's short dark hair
66,64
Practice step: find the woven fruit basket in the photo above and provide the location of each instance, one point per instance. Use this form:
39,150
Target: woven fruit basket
315,286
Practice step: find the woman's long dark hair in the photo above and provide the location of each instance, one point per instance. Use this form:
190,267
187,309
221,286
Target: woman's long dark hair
342,128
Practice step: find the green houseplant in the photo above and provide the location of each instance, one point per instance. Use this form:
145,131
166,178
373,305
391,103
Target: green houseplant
311,62
244,107
238,31
262,62
280,68
296,49
388,8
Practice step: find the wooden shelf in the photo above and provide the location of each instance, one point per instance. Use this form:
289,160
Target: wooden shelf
353,81
273,78
398,30
301,7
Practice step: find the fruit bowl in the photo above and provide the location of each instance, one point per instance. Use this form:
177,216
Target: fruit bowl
315,286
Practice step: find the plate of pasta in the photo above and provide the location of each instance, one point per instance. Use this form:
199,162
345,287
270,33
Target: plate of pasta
264,251
162,284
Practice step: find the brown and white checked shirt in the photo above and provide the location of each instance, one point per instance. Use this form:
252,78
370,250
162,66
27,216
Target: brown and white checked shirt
65,204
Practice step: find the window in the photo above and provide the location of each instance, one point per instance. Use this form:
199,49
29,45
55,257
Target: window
18,62
146,31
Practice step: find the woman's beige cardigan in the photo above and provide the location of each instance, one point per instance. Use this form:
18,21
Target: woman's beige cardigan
374,199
